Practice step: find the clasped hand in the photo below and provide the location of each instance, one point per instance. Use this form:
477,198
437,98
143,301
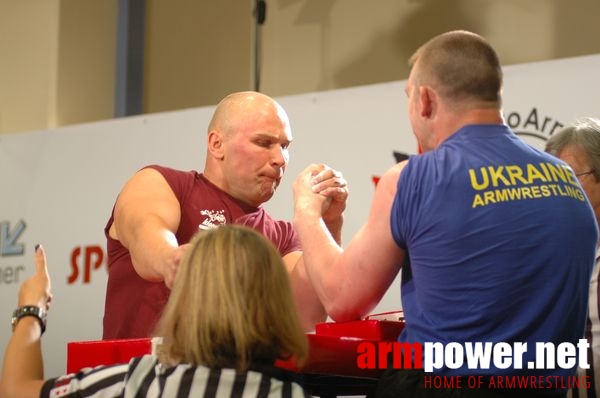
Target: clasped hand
321,191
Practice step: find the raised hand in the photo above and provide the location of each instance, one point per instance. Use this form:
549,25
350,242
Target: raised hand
36,289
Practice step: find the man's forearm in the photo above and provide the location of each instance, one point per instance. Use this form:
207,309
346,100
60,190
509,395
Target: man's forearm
151,253
308,303
335,228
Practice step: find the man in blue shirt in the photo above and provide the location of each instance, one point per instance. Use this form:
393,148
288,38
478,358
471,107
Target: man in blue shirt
495,240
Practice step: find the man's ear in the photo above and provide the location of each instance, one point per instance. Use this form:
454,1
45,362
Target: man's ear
427,101
215,144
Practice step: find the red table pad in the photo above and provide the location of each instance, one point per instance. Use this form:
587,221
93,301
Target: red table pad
332,348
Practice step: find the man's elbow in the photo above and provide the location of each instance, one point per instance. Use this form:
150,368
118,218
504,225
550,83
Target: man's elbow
342,312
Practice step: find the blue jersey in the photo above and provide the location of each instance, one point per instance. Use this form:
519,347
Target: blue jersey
500,240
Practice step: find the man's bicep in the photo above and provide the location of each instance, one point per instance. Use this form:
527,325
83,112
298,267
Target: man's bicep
146,201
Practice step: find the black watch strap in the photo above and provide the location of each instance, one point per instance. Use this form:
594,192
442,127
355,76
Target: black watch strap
29,310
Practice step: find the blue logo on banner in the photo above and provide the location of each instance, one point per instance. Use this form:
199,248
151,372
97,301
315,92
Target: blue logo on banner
9,245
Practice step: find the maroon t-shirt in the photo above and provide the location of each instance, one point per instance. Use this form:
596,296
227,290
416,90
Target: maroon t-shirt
133,305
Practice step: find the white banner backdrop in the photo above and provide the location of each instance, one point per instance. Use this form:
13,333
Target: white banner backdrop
59,186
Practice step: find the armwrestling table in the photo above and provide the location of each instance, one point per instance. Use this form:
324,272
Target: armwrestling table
329,371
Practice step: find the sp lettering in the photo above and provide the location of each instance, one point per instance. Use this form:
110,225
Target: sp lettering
85,260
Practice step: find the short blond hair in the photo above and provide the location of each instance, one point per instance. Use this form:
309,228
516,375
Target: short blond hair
231,304
461,65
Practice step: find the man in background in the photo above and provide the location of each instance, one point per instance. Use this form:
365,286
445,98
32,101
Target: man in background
579,146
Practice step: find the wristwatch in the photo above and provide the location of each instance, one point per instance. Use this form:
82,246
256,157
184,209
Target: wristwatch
29,310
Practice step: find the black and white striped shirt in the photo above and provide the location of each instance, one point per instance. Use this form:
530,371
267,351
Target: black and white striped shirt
145,377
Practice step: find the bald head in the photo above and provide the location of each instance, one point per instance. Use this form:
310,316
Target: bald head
461,66
239,110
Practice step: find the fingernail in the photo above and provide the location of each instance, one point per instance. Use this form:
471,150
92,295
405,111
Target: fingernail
36,247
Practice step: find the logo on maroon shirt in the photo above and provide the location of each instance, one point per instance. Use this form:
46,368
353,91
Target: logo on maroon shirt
213,219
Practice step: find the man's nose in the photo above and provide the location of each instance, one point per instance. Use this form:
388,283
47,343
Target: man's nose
280,155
